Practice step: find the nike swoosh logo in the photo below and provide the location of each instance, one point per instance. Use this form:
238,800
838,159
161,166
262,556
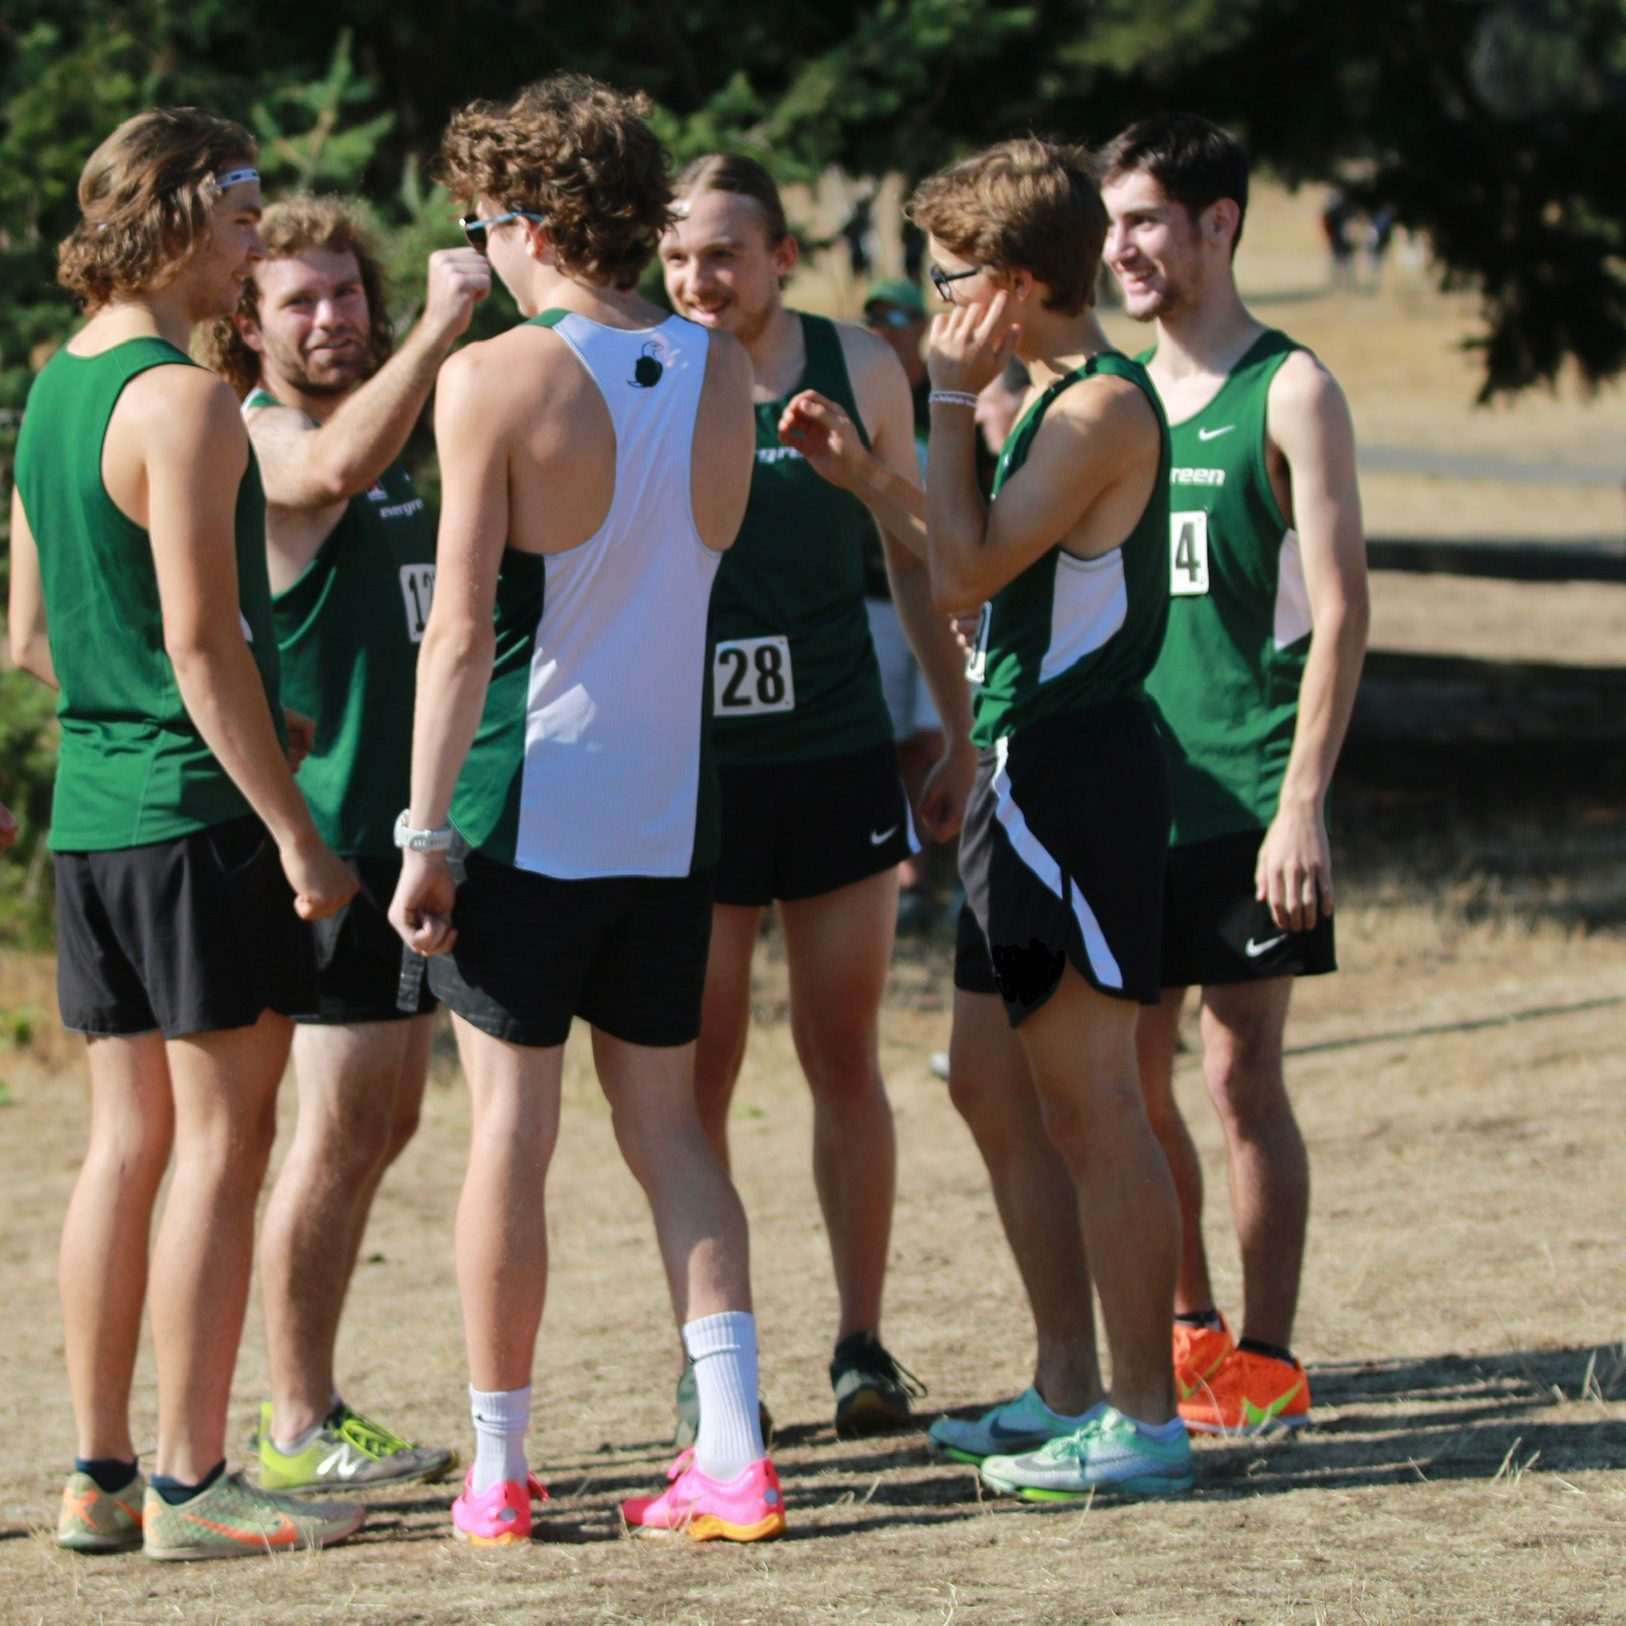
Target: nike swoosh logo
876,837
1253,950
285,1535
1016,1436
1214,434
1254,1415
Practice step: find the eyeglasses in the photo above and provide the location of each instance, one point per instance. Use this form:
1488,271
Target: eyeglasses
941,280
896,317
475,230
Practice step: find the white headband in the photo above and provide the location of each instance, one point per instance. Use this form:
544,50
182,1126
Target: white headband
234,177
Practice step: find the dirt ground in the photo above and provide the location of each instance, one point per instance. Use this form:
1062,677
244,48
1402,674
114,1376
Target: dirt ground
1460,1084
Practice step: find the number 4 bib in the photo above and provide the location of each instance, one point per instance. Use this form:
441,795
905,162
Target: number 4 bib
1188,553
751,677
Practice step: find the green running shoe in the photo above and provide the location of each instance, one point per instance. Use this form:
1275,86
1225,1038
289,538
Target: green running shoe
688,1412
349,1451
233,1519
1108,1455
92,1520
1008,1429
872,1390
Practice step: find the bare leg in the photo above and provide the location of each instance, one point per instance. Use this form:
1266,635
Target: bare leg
1081,1048
349,1077
699,1222
225,1087
838,946
993,1091
502,1227
725,1018
1243,1025
106,1234
916,756
1155,1041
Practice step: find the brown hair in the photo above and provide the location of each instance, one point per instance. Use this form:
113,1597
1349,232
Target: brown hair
288,228
1193,160
734,172
1027,205
581,155
147,197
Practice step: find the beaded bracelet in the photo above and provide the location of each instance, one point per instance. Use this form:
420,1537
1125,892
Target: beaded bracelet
962,398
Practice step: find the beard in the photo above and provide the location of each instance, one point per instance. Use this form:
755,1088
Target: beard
325,377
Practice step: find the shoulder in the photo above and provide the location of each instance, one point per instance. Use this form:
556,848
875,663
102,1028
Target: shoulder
866,354
1107,402
1305,403
727,358
181,405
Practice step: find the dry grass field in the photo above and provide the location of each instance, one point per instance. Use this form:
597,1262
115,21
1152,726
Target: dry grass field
1461,1085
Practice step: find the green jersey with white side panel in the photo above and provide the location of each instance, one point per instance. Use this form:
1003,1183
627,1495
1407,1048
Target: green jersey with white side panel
1227,682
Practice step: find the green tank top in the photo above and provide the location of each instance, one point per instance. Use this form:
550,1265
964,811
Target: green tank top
1071,633
794,675
1227,682
348,631
132,767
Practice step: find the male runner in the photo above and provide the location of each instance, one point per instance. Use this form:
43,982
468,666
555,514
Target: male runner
1063,849
596,461
814,815
351,549
183,847
1267,631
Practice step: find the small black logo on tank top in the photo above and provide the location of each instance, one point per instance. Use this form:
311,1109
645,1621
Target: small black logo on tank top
647,370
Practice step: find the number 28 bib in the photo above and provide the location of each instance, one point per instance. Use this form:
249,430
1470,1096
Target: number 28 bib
751,677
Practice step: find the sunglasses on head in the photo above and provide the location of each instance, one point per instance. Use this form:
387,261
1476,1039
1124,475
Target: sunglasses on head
476,230
941,280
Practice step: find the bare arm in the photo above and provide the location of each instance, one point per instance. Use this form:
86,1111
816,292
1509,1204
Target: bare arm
30,644
195,451
1309,421
454,661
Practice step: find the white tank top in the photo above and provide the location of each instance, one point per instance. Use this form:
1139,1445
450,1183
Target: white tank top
614,722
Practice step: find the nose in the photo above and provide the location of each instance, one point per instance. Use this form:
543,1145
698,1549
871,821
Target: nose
1117,239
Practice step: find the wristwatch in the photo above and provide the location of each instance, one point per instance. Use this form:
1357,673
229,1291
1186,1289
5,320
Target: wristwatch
421,841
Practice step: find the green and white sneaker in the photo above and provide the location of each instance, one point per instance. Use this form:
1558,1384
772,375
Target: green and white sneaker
92,1520
233,1519
348,1451
1108,1455
1008,1429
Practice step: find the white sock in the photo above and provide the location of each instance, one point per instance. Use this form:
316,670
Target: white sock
724,1351
501,1417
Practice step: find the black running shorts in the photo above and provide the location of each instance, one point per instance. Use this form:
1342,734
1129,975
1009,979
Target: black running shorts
1216,931
359,955
801,829
1063,853
195,935
625,953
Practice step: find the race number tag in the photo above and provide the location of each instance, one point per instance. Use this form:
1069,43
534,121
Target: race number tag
976,663
417,590
751,677
1188,554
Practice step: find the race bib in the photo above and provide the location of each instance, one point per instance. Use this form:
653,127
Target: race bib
976,663
1188,554
417,591
751,677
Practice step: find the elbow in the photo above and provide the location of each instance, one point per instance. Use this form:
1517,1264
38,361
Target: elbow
458,645
951,596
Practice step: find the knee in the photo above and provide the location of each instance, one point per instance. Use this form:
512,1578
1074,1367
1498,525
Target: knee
840,1057
1244,1078
403,1126
134,1152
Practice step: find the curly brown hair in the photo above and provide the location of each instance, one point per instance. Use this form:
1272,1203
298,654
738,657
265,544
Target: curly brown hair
734,172
581,155
289,227
1026,205
146,198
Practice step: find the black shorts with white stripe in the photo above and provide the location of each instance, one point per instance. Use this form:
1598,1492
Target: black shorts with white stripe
1216,931
1062,855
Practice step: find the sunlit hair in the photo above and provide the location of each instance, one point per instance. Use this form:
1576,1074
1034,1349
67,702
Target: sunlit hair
734,172
1194,161
288,228
581,155
146,201
1027,205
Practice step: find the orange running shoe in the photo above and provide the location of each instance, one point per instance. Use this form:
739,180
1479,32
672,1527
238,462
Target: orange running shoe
1198,1354
1250,1394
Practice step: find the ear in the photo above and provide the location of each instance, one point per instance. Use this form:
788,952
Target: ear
537,242
1220,221
1018,282
248,330
786,257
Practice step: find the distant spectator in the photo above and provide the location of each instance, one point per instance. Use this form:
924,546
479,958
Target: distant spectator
1337,216
8,828
1380,231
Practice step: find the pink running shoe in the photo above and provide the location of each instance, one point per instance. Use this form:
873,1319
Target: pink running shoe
500,1516
749,1507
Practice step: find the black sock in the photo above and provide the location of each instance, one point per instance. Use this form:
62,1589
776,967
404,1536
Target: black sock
111,1475
1256,1346
1209,1318
175,1491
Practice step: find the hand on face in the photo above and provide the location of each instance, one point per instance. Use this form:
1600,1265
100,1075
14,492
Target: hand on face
970,345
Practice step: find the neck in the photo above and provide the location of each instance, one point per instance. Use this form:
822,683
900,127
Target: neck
550,289
772,347
161,313
1207,333
314,404
1053,344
